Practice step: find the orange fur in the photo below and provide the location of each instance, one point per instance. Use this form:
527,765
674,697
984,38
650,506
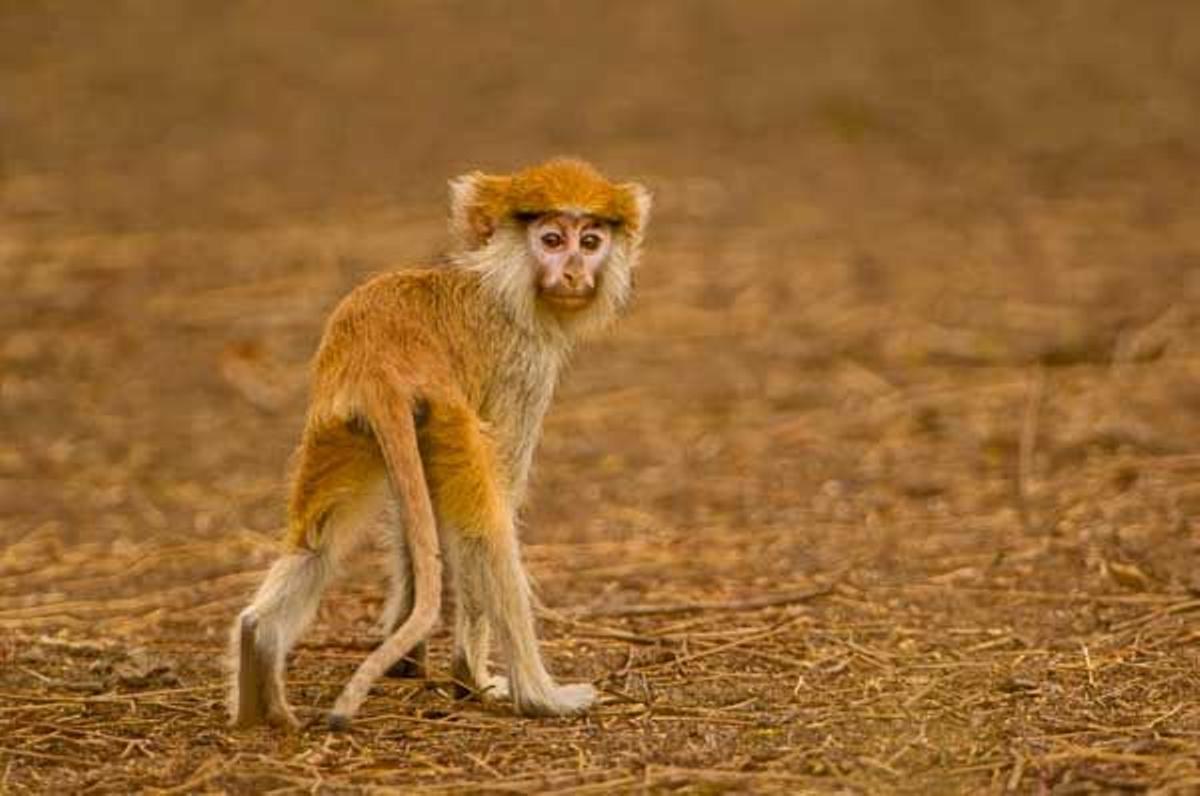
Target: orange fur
461,466
560,184
387,320
437,379
333,466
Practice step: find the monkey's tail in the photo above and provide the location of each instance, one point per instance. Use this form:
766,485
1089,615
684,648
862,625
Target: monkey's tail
390,413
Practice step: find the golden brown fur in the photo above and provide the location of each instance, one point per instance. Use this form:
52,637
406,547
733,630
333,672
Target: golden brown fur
437,322
434,382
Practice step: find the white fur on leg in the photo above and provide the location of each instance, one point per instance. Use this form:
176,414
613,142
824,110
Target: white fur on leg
399,600
284,606
472,643
265,631
472,636
504,590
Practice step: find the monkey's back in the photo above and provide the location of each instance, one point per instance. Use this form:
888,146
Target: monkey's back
421,334
427,329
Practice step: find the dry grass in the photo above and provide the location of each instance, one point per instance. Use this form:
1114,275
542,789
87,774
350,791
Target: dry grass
888,484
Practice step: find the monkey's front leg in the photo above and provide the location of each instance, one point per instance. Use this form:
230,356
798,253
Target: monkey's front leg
472,635
470,662
492,567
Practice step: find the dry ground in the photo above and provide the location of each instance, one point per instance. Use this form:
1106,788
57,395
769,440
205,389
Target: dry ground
889,483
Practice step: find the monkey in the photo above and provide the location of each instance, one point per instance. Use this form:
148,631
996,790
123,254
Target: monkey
429,388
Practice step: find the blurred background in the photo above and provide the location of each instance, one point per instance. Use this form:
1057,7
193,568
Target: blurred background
920,305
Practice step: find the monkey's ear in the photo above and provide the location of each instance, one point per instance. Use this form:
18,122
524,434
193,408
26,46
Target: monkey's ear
642,200
476,206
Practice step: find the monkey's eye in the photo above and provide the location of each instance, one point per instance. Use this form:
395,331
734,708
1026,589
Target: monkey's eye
591,242
552,240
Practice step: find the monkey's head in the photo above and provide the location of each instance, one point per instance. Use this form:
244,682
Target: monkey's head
556,239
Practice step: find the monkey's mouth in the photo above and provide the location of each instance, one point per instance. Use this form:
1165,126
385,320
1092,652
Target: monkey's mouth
567,301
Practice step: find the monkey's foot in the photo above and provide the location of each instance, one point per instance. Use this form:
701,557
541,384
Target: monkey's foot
492,689
244,720
249,709
496,688
563,700
255,711
469,683
257,692
252,714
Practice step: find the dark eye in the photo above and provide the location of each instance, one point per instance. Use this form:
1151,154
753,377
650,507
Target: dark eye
552,240
591,242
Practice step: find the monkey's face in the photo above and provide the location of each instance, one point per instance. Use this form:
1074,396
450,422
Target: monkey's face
568,252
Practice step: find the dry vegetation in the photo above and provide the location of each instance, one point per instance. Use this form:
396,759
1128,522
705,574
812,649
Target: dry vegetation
888,484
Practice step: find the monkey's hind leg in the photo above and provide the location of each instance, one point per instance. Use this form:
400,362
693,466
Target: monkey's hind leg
338,489
264,632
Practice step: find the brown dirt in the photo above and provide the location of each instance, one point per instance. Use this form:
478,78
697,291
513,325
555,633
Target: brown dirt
889,483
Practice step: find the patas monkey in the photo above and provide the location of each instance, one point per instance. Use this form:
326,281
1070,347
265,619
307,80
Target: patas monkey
430,386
